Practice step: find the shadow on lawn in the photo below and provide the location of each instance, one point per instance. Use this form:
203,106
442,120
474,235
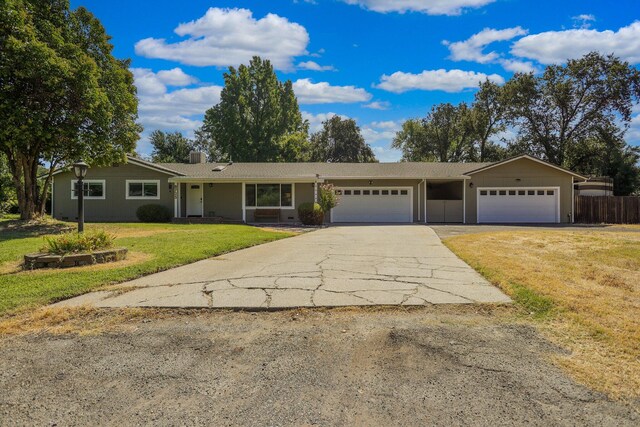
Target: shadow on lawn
19,229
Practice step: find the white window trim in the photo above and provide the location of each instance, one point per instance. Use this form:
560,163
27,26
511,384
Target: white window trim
141,181
555,189
89,181
293,196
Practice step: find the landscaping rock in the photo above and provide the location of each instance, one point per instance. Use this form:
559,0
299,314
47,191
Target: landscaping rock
35,261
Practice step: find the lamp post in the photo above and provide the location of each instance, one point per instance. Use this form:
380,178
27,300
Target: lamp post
80,171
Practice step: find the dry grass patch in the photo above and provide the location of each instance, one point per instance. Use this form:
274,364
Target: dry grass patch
584,286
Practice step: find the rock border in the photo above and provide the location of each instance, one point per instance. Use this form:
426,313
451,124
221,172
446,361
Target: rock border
44,260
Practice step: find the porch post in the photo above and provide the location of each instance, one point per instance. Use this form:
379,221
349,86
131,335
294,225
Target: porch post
244,202
175,199
464,201
425,200
315,192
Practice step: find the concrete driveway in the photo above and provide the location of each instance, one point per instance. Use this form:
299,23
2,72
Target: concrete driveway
336,266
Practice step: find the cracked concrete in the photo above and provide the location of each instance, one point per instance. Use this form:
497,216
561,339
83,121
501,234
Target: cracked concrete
336,266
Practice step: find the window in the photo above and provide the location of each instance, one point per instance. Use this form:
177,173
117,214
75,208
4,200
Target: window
394,192
483,192
520,192
93,189
356,192
512,192
143,190
347,192
375,192
503,192
404,192
493,192
531,193
365,192
385,192
268,195
550,193
540,192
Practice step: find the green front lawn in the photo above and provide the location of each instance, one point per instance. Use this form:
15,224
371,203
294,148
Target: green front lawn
152,247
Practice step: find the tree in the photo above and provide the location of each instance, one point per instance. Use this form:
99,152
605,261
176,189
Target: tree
63,96
446,134
558,112
7,190
488,118
340,141
170,147
255,113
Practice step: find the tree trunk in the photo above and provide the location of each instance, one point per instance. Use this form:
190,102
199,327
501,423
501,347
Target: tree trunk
24,174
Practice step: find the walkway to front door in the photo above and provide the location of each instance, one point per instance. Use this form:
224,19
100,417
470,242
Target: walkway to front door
336,266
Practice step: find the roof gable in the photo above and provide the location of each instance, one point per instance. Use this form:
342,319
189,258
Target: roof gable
527,157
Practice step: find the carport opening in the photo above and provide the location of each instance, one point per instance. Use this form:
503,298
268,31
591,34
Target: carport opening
450,190
444,201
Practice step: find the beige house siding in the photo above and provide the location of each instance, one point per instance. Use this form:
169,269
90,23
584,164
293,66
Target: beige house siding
521,173
115,206
225,200
413,183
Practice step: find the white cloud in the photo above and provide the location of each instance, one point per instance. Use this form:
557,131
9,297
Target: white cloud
583,20
380,131
324,93
176,77
378,105
315,120
224,37
555,47
179,109
314,66
633,134
430,7
517,66
471,49
444,80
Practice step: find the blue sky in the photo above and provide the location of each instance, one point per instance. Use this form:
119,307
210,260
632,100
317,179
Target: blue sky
377,61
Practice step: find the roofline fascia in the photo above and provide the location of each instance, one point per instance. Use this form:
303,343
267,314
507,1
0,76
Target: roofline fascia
397,177
525,156
181,179
152,166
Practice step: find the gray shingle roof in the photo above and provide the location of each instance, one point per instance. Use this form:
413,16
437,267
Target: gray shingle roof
323,170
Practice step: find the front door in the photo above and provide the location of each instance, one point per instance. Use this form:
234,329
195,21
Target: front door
194,199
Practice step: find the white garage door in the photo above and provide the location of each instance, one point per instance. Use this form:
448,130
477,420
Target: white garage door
373,204
523,205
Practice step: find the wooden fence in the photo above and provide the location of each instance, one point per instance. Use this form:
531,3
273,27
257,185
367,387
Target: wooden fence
607,209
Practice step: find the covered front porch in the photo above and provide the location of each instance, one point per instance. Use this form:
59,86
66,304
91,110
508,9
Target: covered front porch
240,202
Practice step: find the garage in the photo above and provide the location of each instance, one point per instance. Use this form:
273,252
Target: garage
519,205
373,204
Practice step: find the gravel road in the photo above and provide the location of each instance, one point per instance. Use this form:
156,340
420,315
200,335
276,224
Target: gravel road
433,366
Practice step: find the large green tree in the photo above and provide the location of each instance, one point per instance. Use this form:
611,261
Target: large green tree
446,134
487,118
255,115
562,110
340,141
170,147
63,96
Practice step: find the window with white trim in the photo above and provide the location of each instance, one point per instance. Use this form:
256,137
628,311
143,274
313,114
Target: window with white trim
93,189
143,189
269,195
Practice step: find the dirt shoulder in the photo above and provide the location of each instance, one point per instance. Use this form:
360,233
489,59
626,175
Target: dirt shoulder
431,366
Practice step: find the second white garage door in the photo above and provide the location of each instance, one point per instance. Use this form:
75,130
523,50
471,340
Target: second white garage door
518,205
373,204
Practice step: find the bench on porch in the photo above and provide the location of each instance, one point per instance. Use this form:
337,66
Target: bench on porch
266,213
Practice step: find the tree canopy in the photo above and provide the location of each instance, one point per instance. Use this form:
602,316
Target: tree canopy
574,115
170,147
256,116
63,95
340,140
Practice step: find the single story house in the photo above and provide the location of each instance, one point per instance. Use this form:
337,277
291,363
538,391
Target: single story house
522,189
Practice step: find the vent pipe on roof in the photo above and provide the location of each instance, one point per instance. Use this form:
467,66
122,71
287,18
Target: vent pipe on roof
197,157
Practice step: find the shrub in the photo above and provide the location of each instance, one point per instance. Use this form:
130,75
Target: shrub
328,198
311,214
153,213
74,242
